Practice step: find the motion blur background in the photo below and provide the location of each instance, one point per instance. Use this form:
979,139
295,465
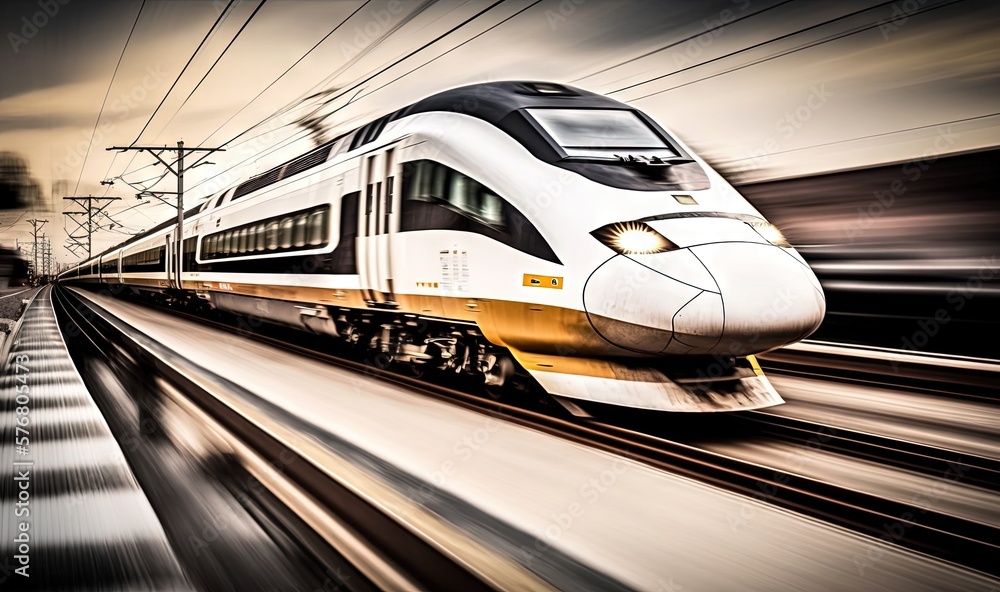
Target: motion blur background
866,131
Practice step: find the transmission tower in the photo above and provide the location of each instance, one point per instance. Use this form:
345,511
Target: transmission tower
36,226
80,237
178,169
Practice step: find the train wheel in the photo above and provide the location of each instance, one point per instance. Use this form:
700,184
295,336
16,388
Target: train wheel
498,376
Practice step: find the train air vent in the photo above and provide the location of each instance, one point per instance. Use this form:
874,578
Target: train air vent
256,183
314,158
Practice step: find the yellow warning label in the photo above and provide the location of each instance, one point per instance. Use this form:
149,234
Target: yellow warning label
542,281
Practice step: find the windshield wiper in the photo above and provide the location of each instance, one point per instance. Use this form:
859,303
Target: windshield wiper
655,161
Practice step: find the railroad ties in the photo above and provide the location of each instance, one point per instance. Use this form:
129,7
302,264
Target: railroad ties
73,515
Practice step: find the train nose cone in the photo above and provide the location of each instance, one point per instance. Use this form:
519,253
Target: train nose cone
632,301
771,298
720,298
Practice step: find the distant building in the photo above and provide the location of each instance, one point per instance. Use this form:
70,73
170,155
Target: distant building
17,188
13,268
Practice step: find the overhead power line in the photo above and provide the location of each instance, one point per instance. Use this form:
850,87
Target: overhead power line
191,59
828,39
215,63
369,77
106,94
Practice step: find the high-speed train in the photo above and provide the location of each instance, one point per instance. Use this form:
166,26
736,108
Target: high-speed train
503,229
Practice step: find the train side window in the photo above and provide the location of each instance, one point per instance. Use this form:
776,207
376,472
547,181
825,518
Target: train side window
317,228
301,230
436,197
458,191
272,235
299,233
259,237
285,233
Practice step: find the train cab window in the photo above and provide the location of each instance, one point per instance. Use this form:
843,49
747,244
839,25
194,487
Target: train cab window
299,233
601,132
618,147
436,197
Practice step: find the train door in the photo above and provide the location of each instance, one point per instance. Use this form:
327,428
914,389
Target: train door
169,261
378,224
120,280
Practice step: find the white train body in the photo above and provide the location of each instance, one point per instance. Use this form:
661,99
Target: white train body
599,266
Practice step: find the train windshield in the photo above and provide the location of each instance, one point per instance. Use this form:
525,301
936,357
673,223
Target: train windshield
601,133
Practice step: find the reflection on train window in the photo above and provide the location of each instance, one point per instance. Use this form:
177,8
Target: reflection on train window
306,229
286,233
317,228
260,238
144,261
299,232
430,180
601,132
272,235
436,197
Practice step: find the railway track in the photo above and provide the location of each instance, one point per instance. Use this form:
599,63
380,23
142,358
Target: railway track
952,538
887,368
911,456
382,553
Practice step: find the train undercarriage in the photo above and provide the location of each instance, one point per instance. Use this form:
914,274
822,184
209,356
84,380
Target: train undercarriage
449,349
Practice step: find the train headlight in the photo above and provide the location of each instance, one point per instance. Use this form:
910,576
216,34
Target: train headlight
771,234
633,238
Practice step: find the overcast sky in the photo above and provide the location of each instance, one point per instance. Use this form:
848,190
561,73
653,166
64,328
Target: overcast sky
761,89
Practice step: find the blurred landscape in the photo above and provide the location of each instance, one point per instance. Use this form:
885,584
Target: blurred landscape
907,253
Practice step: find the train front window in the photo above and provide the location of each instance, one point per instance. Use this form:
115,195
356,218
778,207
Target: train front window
601,133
